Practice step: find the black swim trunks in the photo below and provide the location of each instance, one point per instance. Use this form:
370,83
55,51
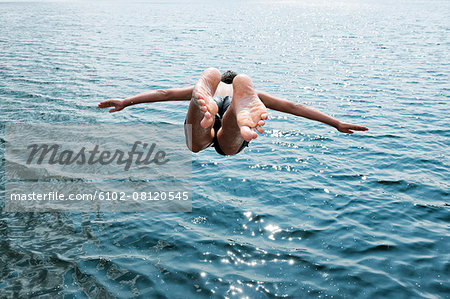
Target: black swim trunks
222,103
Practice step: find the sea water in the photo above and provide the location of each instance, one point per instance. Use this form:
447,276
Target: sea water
304,211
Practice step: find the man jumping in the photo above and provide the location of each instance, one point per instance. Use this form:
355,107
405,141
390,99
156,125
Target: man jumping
225,110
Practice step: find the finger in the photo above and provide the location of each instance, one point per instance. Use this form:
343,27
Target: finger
358,128
104,104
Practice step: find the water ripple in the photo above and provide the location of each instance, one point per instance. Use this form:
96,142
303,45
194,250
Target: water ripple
305,211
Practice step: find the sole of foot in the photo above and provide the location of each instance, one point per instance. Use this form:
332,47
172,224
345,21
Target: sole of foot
250,111
203,94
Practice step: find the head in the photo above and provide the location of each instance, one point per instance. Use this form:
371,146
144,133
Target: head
228,77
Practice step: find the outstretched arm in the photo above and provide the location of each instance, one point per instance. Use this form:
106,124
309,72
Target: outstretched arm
297,109
160,95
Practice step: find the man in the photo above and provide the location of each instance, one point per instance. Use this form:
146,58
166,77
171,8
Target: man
225,111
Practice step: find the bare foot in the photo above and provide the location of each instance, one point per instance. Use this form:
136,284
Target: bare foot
250,111
203,93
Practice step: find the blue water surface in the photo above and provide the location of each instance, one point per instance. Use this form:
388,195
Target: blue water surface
305,211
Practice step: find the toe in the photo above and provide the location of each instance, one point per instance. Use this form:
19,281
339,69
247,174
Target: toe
259,129
261,123
247,133
264,115
206,122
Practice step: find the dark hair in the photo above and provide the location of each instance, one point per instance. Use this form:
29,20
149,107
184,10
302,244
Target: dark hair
228,77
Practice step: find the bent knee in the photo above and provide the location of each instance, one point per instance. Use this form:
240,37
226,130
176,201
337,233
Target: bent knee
228,150
194,148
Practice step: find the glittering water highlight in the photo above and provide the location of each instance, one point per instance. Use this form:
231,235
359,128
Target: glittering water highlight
305,211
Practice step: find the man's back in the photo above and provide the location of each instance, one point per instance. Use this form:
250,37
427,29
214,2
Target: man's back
224,90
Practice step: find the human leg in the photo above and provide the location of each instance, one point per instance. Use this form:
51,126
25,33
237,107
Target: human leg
245,114
202,111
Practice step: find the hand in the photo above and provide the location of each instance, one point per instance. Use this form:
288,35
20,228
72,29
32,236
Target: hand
117,104
347,128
